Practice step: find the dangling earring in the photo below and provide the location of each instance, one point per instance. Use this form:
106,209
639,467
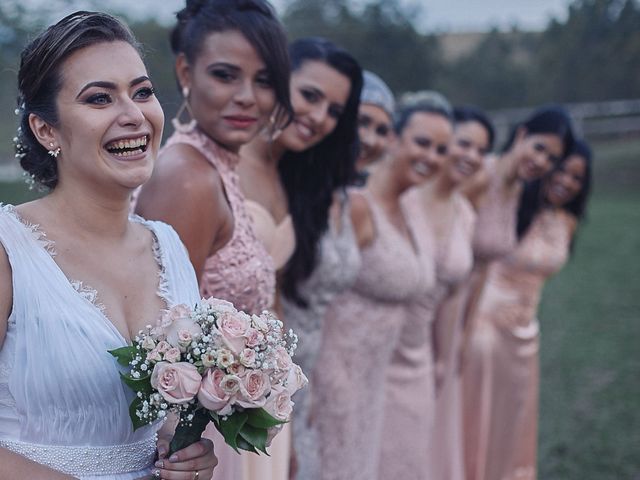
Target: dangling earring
177,124
274,132
54,152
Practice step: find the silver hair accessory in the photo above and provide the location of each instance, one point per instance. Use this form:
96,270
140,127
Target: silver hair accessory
427,98
376,92
185,107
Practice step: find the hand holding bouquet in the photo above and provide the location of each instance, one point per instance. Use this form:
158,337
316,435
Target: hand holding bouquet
214,363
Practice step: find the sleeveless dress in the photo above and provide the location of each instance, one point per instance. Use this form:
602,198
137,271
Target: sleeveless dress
454,261
494,237
502,377
279,239
62,402
241,272
409,416
361,331
336,270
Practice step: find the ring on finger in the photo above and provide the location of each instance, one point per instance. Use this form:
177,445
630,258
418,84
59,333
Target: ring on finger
196,475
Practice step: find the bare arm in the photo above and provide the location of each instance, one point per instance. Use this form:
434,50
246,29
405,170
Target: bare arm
186,192
6,293
362,220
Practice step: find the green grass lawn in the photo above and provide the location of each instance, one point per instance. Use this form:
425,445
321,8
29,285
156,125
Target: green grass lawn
590,316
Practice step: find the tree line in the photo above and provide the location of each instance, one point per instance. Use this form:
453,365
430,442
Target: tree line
592,55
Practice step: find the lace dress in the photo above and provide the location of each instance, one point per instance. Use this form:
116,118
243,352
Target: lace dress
242,272
361,331
501,379
62,403
336,270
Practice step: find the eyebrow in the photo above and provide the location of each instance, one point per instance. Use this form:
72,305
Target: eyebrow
111,85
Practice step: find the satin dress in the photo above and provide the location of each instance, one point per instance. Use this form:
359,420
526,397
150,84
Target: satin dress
501,374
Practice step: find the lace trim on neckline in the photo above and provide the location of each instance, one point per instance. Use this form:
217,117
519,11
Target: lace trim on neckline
87,291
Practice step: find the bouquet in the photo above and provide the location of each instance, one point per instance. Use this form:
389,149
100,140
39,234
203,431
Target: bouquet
213,363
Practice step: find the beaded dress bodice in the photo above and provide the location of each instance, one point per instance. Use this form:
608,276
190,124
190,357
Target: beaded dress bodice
242,271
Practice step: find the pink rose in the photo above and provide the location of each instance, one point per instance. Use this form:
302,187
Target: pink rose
253,389
208,360
283,360
181,332
248,357
154,356
279,404
260,322
162,346
178,383
296,379
172,355
219,305
233,327
237,369
230,384
148,343
177,312
225,358
254,337
212,396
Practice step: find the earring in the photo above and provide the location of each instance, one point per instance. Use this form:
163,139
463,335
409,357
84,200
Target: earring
177,124
54,152
275,132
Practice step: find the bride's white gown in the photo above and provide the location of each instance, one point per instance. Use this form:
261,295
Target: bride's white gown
62,402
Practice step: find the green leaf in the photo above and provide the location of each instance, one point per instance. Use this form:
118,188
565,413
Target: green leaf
138,422
230,428
124,355
259,418
244,445
186,434
257,437
142,384
215,417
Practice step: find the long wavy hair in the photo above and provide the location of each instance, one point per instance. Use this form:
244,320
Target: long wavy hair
311,177
532,198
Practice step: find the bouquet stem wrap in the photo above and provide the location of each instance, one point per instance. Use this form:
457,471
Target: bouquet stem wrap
188,433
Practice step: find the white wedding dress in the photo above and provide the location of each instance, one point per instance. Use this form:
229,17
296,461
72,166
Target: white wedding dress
62,403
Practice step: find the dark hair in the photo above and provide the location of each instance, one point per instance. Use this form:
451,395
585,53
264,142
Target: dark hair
404,113
532,201
550,119
311,177
468,113
40,81
256,20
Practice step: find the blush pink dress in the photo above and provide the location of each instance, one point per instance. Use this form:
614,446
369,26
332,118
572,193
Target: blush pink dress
494,238
501,377
361,330
454,261
241,272
279,239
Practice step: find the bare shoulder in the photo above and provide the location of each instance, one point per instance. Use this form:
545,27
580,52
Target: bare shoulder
6,292
362,219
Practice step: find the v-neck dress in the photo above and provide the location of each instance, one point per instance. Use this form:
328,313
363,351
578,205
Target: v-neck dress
62,402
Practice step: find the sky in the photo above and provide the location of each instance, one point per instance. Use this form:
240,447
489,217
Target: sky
452,15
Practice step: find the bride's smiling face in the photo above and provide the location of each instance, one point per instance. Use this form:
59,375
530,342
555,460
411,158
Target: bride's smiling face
109,121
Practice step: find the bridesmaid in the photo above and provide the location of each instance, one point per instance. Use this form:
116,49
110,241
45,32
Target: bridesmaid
502,372
532,149
472,141
408,417
233,68
363,325
375,120
300,168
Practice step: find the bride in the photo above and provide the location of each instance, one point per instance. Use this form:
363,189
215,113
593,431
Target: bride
79,277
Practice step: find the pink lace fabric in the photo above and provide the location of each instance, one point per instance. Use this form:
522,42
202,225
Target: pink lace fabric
361,331
241,272
410,398
501,376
